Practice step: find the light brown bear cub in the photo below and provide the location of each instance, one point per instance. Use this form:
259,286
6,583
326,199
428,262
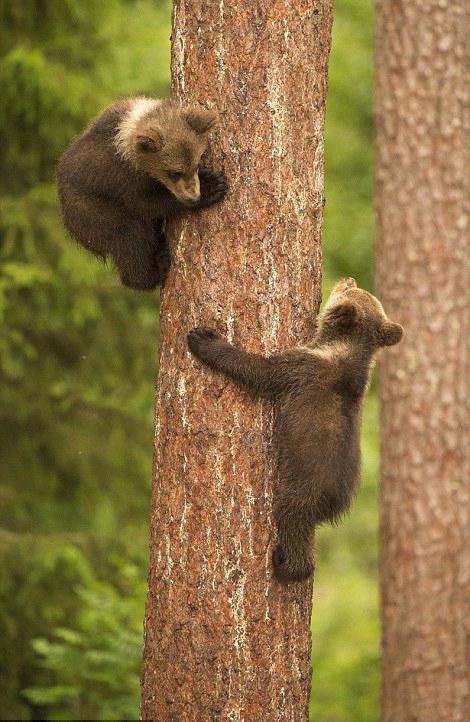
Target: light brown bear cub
319,390
137,163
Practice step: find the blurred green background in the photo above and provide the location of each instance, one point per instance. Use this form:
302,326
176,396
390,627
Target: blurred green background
77,368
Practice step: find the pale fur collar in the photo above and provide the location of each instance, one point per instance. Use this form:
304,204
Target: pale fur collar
127,128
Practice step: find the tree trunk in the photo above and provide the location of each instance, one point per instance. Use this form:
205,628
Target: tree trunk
423,62
223,640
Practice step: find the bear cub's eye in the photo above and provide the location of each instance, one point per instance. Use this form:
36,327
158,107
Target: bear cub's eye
175,175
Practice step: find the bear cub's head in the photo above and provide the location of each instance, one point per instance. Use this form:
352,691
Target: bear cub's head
352,312
166,141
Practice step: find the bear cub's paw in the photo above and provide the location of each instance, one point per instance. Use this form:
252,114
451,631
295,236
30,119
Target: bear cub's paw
213,187
200,338
291,570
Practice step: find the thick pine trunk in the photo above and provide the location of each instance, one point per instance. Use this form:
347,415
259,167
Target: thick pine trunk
223,640
423,102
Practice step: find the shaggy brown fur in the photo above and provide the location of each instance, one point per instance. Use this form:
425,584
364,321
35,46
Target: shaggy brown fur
136,164
319,390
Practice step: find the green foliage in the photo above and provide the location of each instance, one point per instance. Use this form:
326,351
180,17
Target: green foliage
77,351
77,365
95,664
36,575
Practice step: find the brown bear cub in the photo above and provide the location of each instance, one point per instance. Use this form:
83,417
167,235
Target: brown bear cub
319,390
136,164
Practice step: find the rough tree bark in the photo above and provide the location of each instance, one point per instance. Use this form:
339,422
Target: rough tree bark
423,103
223,640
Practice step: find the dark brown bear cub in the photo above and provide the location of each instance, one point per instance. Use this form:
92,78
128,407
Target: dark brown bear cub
319,390
136,164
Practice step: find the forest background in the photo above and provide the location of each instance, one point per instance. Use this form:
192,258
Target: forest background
78,359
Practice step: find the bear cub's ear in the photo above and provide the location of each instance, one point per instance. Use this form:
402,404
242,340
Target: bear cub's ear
344,315
391,333
200,120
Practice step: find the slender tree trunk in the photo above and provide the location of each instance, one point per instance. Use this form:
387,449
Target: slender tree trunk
423,100
223,640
